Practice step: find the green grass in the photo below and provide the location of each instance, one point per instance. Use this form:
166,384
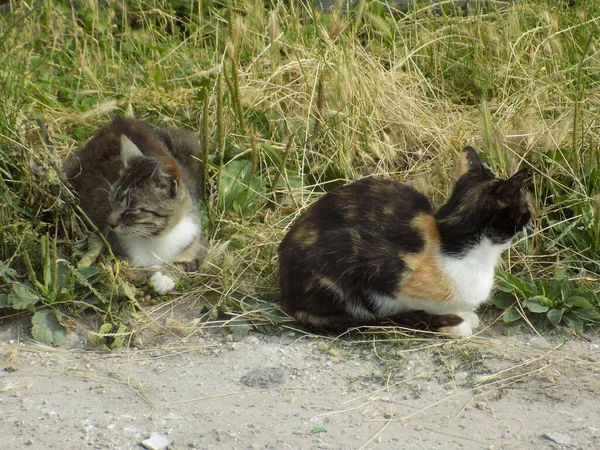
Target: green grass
292,103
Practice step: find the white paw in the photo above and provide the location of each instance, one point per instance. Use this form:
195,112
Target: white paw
461,330
162,283
471,318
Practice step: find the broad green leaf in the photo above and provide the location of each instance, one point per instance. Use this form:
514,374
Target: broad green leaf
119,337
239,332
105,328
577,301
574,323
509,283
482,81
47,328
3,301
513,328
555,316
543,300
511,315
503,300
291,180
589,315
535,305
239,190
63,276
22,296
8,274
88,272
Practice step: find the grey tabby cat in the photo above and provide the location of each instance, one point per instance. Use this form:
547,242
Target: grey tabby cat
140,185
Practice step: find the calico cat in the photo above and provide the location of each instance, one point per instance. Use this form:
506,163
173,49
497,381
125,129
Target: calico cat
139,185
374,251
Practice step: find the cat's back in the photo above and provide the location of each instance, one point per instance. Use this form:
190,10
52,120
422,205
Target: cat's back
370,204
100,157
363,220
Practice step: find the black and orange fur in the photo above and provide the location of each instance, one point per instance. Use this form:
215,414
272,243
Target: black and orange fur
377,236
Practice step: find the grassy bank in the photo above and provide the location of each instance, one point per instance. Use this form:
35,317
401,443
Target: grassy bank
290,103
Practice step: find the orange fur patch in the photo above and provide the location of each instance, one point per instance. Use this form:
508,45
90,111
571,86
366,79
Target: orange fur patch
462,165
424,278
305,236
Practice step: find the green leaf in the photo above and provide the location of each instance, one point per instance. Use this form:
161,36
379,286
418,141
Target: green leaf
503,300
482,81
574,323
513,328
536,304
3,301
8,274
105,328
509,283
89,271
119,337
317,430
22,296
239,190
589,315
47,328
555,316
240,329
511,315
577,301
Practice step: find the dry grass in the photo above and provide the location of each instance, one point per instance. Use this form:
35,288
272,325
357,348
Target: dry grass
312,100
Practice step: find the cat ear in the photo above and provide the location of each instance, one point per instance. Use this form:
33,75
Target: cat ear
468,161
169,167
511,187
129,150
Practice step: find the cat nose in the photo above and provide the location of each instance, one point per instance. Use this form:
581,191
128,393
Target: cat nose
113,220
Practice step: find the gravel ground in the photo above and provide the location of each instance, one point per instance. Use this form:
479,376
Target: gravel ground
293,391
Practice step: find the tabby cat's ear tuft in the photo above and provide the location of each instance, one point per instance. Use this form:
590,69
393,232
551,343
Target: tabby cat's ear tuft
169,167
129,150
468,161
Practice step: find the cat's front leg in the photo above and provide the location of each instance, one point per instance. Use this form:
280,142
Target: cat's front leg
464,329
162,283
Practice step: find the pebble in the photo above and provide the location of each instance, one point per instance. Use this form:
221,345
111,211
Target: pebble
264,377
558,438
156,442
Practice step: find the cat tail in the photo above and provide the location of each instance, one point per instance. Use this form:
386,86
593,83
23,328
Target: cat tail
340,323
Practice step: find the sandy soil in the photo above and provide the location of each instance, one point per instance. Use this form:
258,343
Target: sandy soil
205,391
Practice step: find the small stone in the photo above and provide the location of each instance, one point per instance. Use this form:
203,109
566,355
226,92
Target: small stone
264,378
558,438
156,442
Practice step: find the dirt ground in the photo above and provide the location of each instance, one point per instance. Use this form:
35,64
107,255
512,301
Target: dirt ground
294,391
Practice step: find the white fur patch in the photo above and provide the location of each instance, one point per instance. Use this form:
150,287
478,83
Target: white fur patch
145,252
458,331
161,283
472,278
472,275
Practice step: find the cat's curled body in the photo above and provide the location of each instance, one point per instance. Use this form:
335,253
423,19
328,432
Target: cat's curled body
375,251
139,185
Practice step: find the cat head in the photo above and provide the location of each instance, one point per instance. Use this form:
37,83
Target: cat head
484,205
147,199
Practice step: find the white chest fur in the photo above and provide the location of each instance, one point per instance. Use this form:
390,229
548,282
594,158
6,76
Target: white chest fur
472,275
157,251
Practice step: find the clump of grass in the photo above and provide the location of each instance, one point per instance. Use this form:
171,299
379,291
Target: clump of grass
290,103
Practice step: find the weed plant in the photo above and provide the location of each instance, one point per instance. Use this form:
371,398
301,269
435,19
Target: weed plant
289,103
